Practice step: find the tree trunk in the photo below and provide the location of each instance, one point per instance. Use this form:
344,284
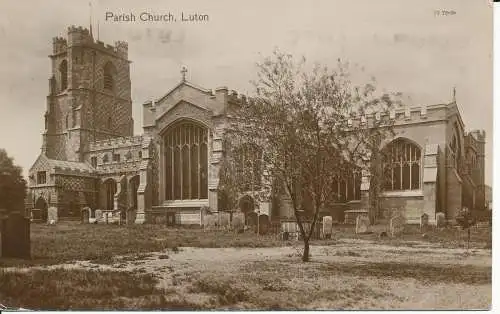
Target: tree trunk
305,256
468,237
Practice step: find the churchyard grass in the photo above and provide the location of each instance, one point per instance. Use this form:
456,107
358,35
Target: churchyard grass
74,289
71,241
378,276
82,266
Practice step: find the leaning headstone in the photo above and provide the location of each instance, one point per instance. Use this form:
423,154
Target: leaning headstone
86,213
98,215
327,227
424,222
15,237
440,220
52,215
396,225
362,224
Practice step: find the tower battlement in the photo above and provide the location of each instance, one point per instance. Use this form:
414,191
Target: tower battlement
59,44
478,135
77,35
120,48
232,95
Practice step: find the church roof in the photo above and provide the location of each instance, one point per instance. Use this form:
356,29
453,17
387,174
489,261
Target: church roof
180,84
73,165
43,162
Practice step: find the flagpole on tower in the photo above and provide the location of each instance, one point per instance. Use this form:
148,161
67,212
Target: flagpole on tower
90,19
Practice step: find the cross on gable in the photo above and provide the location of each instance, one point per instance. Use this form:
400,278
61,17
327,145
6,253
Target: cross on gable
183,73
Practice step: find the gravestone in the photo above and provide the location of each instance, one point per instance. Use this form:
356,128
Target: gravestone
98,215
15,237
130,216
52,215
264,224
86,213
327,227
223,219
362,224
289,230
440,220
424,222
396,225
36,214
238,222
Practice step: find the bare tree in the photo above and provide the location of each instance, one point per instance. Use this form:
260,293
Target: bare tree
308,124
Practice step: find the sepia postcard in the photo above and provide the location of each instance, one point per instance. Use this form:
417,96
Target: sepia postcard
246,155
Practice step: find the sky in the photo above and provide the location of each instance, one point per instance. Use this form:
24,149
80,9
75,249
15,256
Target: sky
420,48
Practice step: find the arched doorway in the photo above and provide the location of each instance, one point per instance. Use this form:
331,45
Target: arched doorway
110,191
42,207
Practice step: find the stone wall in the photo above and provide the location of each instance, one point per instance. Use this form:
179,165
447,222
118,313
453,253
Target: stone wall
410,207
85,110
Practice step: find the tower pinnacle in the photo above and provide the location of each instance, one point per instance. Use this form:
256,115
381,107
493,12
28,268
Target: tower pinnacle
184,72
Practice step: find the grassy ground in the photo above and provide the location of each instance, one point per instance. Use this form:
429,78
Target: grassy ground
154,267
62,289
69,241
350,275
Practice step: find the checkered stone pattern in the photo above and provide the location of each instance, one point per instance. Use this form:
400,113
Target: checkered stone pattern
75,183
86,111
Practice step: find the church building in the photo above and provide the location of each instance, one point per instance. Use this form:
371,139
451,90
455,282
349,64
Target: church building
90,156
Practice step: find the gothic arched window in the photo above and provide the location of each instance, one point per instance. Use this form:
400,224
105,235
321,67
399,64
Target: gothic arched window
109,76
348,187
63,71
402,164
186,161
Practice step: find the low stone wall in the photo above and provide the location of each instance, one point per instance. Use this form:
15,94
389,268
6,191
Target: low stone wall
174,216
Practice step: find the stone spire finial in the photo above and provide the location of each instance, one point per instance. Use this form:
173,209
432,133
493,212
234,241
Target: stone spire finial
454,99
184,72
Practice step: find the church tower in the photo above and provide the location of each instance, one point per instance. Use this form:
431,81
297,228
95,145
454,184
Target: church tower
89,95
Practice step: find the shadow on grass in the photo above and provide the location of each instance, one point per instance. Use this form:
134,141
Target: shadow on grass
61,289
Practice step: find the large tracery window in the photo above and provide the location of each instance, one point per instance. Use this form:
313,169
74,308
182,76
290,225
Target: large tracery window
186,162
402,160
347,188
